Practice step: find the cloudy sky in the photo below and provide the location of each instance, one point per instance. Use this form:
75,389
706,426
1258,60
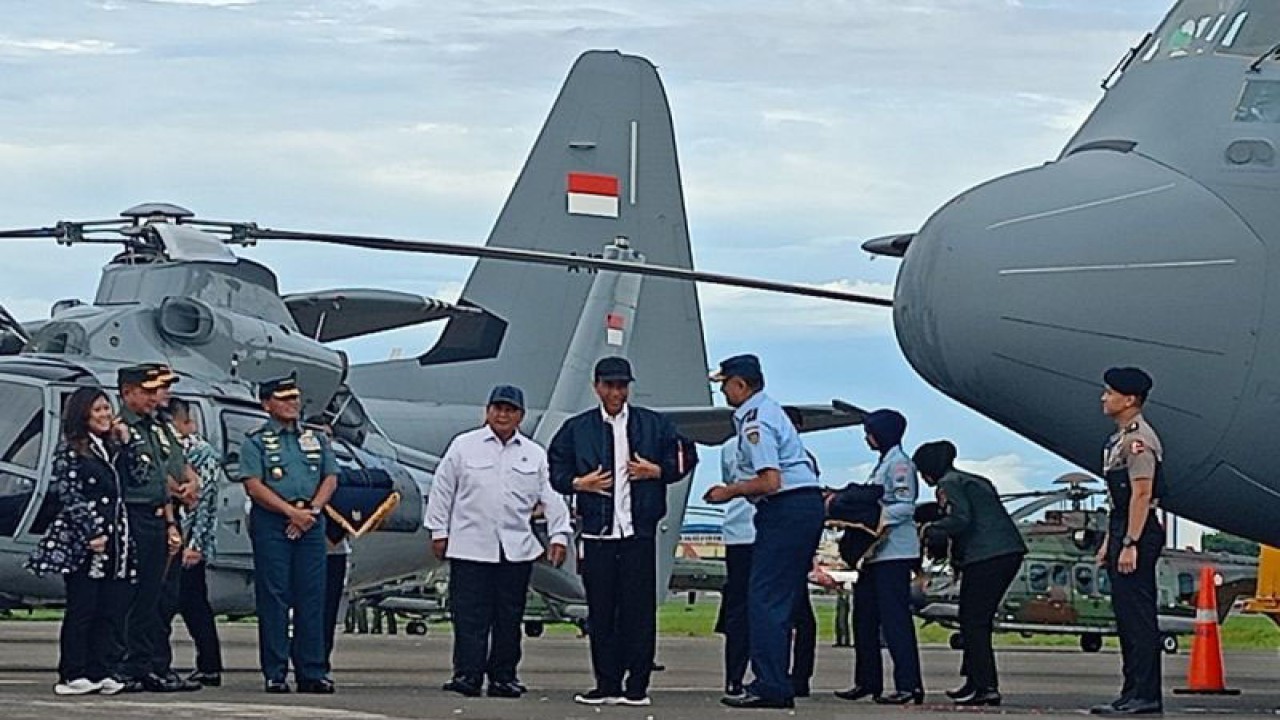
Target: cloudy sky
804,127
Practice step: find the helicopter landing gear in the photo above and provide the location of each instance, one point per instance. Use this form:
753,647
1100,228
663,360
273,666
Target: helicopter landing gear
1091,642
533,629
956,641
416,627
1169,643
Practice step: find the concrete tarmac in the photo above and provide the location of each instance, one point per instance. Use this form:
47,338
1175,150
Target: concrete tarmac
399,676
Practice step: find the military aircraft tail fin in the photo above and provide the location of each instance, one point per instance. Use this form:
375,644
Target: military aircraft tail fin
604,166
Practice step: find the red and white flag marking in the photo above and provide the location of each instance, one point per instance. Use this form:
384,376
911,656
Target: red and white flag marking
591,194
613,328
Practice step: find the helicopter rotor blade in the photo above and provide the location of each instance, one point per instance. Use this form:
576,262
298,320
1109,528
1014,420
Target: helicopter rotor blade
46,232
540,257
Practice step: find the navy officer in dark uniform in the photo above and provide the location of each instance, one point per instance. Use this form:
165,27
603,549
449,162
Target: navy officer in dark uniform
1131,465
781,478
290,473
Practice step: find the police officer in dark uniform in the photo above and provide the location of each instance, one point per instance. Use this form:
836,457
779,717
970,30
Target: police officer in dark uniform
1131,465
155,466
290,473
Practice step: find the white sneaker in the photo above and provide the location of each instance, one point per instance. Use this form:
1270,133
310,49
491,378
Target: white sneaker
111,686
642,701
79,686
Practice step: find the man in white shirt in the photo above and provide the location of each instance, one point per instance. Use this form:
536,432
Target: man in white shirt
479,514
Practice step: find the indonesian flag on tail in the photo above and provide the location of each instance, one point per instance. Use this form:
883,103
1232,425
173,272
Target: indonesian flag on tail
614,324
591,194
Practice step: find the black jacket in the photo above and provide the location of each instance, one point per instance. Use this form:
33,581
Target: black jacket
585,443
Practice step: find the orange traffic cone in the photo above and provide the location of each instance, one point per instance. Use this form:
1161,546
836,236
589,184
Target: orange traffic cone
1204,674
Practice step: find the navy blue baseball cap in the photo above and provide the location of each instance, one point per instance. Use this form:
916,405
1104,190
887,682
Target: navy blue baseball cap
509,394
746,367
614,369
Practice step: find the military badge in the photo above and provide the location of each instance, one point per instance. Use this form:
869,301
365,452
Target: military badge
1137,447
753,436
277,473
309,442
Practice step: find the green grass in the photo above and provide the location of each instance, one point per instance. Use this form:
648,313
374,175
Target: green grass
677,618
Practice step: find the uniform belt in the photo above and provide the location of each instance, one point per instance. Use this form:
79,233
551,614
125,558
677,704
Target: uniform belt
793,493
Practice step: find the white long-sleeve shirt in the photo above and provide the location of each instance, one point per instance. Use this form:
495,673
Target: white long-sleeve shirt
484,495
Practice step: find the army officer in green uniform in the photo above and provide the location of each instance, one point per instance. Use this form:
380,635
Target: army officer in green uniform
290,473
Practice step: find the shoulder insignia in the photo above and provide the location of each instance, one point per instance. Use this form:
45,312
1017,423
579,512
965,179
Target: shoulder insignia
1132,427
751,415
753,436
1137,447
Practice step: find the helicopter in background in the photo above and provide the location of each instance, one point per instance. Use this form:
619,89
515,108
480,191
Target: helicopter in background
1060,590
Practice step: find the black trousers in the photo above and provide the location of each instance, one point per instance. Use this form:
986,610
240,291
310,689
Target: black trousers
155,601
91,640
733,622
197,615
620,577
487,603
334,582
882,604
982,587
1134,601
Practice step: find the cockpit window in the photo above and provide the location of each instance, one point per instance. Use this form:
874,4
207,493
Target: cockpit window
1253,30
1259,103
21,425
1237,27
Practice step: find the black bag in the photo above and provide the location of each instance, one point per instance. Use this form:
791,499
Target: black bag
365,496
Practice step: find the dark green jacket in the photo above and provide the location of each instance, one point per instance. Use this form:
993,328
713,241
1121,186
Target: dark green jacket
979,526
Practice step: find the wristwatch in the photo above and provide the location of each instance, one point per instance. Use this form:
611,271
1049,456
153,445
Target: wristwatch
1128,542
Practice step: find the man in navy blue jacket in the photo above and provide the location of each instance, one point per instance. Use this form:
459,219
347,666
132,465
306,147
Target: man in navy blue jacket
617,460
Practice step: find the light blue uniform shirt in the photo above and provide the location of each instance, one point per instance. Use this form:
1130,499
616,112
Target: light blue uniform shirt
897,475
739,526
768,440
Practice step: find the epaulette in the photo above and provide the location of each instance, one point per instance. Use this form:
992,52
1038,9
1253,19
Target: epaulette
1132,427
751,415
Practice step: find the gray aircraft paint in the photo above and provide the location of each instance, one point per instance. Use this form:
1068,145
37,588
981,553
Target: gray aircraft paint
1151,241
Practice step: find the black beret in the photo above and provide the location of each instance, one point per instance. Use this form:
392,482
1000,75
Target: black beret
1128,381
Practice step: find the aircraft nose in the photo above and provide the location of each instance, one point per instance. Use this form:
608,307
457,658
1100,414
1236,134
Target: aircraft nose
1016,296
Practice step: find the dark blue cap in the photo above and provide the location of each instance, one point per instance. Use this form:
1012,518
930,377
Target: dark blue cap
285,388
614,369
1128,381
746,367
509,394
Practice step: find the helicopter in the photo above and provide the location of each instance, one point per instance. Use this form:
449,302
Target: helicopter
598,272
1060,590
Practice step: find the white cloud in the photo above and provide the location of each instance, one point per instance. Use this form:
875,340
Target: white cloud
53,46
205,3
765,312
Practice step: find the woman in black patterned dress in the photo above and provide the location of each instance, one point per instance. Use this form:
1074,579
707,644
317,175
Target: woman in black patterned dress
88,543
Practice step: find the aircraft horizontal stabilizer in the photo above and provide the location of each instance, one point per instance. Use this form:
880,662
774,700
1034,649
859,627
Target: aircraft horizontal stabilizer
889,245
714,425
327,315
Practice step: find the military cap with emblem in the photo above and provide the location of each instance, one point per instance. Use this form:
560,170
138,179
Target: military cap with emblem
507,394
285,388
613,369
148,377
167,375
1128,381
746,367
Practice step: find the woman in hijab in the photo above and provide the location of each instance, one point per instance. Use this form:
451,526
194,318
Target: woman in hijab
88,543
882,594
987,550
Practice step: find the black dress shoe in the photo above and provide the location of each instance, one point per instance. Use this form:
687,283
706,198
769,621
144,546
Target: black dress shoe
206,679
961,692
801,690
180,684
980,698
857,692
506,689
1129,707
463,686
322,686
734,690
277,687
132,685
749,701
152,682
915,697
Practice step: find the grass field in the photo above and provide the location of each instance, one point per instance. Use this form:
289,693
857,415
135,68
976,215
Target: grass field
679,618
